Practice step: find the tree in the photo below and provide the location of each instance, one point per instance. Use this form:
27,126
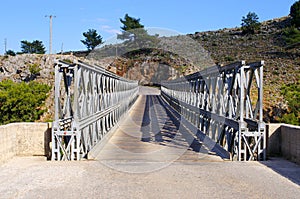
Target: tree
250,23
92,39
36,47
295,13
134,34
131,29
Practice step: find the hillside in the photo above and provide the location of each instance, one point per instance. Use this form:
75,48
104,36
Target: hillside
282,64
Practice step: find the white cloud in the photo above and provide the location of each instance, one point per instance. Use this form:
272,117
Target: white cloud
110,29
102,20
97,20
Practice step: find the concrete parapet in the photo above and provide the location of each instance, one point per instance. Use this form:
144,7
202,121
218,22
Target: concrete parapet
274,139
24,139
32,139
7,143
284,140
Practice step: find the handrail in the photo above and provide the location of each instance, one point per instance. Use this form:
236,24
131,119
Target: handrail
89,101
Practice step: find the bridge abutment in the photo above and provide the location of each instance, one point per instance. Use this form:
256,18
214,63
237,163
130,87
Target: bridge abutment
24,139
284,140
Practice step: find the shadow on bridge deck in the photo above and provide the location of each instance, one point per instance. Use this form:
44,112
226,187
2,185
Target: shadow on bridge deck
284,168
150,138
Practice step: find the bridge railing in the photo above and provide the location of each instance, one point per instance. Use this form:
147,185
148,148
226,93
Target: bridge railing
89,101
225,103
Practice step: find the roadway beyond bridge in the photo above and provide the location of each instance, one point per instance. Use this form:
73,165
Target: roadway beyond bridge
139,161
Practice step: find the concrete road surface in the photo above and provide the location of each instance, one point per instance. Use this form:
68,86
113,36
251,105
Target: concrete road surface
36,178
149,156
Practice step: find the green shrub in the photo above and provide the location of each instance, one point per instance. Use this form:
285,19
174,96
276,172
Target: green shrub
10,52
291,35
229,58
291,93
67,61
34,69
290,118
21,102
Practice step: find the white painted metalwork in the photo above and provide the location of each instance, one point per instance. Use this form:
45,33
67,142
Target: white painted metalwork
225,103
89,101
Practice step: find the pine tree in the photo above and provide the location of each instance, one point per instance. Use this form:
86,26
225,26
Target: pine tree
250,23
131,29
92,39
35,47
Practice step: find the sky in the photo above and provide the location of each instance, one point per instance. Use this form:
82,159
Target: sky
26,20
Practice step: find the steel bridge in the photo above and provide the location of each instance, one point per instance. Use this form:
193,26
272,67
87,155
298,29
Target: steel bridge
223,104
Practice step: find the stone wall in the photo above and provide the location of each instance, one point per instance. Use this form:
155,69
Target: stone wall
24,139
284,140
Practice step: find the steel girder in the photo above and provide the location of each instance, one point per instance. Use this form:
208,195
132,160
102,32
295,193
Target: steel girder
89,101
225,103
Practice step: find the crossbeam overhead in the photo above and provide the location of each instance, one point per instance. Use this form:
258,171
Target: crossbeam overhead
89,101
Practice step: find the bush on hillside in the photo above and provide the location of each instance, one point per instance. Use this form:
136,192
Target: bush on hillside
291,35
291,94
21,102
10,52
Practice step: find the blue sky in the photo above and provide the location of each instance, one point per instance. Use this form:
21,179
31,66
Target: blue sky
25,20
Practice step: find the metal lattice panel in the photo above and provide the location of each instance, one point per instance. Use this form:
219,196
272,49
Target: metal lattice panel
225,103
89,101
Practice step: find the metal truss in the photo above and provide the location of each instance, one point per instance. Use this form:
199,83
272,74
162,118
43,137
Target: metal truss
225,103
89,101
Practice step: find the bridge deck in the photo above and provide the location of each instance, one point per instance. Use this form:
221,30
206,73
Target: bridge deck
151,137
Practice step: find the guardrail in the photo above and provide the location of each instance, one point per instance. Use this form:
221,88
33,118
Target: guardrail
88,102
225,103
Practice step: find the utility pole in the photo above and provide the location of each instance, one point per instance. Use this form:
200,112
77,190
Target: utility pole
50,37
5,46
62,48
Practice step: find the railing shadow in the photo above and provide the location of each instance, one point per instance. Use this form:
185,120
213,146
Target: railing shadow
164,129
